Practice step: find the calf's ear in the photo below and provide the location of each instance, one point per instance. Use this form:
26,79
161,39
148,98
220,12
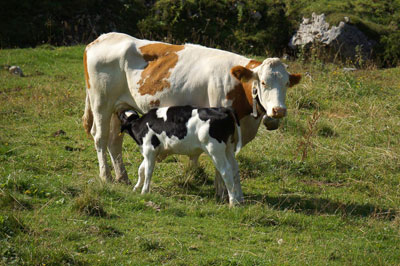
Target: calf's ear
242,74
294,79
122,117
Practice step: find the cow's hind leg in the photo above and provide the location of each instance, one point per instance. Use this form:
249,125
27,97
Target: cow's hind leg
100,132
115,149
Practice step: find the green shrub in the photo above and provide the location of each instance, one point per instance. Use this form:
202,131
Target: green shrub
249,27
391,49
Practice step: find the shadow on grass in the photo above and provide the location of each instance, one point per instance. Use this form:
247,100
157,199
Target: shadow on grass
317,206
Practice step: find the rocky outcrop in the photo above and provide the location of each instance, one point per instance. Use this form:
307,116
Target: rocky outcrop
344,40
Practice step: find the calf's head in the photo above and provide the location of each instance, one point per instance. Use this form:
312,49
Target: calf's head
126,118
269,83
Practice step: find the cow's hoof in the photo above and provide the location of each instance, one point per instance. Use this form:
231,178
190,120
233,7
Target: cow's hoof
234,203
271,123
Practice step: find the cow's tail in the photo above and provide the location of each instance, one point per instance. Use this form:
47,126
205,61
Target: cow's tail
87,118
237,134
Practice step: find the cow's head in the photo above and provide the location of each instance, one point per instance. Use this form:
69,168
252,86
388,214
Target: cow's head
269,83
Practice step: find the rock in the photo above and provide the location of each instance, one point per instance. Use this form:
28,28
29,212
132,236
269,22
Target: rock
344,40
16,70
349,69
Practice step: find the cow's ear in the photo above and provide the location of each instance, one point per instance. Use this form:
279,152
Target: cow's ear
294,79
242,74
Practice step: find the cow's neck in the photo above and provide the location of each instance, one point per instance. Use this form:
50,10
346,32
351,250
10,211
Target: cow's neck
242,102
249,127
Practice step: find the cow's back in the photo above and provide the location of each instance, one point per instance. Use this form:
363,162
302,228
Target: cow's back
145,74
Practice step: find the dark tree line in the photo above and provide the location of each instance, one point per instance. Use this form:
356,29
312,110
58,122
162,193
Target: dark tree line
261,27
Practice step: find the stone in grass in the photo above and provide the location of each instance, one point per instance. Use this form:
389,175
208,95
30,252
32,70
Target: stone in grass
16,70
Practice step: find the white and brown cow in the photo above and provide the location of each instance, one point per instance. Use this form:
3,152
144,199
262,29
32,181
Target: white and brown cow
189,131
124,73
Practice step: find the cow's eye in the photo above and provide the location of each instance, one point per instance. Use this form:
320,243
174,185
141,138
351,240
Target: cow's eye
263,83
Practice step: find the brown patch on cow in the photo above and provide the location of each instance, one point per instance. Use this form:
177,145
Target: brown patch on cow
294,79
85,69
155,103
161,59
241,98
253,64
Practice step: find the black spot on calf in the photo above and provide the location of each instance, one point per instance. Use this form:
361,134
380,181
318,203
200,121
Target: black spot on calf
155,141
222,122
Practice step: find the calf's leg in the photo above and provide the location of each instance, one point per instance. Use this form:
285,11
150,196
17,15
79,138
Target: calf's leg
230,155
221,163
149,162
140,176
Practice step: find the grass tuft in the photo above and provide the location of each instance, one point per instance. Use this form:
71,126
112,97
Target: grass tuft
14,201
149,244
192,177
89,203
10,226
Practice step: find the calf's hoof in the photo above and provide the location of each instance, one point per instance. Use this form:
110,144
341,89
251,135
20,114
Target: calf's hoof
235,202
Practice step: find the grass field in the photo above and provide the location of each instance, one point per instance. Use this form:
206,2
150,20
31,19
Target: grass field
323,189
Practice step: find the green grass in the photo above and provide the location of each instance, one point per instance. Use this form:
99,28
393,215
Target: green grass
337,205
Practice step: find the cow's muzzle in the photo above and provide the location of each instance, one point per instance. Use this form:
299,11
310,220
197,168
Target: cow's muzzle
270,123
278,112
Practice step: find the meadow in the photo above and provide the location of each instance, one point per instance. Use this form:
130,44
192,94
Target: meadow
323,189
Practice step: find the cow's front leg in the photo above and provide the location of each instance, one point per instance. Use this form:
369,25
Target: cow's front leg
194,161
115,149
220,189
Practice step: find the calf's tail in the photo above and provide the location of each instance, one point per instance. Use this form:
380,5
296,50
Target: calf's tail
87,118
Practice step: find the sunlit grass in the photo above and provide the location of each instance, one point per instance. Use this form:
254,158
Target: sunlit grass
339,205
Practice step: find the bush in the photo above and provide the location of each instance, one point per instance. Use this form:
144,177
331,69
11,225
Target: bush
251,27
391,49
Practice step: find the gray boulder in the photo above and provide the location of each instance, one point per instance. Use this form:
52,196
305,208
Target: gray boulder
344,40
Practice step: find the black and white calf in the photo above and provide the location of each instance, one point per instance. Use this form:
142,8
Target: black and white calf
190,131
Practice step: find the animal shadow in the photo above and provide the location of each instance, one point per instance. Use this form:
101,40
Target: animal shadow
318,206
